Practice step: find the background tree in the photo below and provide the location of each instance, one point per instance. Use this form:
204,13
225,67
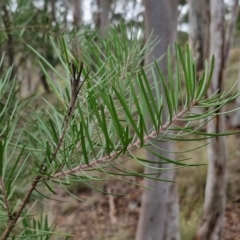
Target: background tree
32,22
109,120
199,15
215,192
42,23
104,8
77,12
159,215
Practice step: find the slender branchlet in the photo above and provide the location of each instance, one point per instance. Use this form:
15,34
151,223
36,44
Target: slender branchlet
76,84
131,146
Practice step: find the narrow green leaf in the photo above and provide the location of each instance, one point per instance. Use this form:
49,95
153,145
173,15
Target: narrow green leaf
47,63
49,187
141,130
104,127
178,89
170,80
169,103
65,51
149,90
165,158
187,100
159,116
9,180
84,150
86,131
211,72
148,96
55,136
125,108
116,121
136,100
49,80
166,93
45,196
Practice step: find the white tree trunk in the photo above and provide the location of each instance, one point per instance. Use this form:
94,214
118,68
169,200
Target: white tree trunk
159,214
214,205
77,12
104,8
65,4
234,120
199,21
231,29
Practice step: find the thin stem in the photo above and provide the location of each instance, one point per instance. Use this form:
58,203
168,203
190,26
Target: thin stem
15,216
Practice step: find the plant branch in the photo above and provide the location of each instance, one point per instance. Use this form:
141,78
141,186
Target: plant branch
15,216
131,147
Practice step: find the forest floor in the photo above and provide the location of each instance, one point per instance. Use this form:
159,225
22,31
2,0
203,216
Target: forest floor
107,217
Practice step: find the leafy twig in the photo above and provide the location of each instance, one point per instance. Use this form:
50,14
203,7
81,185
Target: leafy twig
76,85
131,147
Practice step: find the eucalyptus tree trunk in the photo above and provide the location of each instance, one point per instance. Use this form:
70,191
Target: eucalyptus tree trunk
104,8
77,12
199,21
231,29
65,4
235,117
213,211
159,214
7,23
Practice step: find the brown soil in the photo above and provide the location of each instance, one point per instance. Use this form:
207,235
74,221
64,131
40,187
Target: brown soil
109,217
101,216
232,220
93,219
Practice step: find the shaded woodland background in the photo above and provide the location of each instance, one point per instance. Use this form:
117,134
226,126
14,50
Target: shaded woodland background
104,216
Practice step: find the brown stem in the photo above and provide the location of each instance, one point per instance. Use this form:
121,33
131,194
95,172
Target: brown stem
17,214
44,83
37,179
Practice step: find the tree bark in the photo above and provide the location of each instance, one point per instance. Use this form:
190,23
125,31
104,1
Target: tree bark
234,118
231,29
159,207
10,45
65,4
213,211
199,22
104,8
77,13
